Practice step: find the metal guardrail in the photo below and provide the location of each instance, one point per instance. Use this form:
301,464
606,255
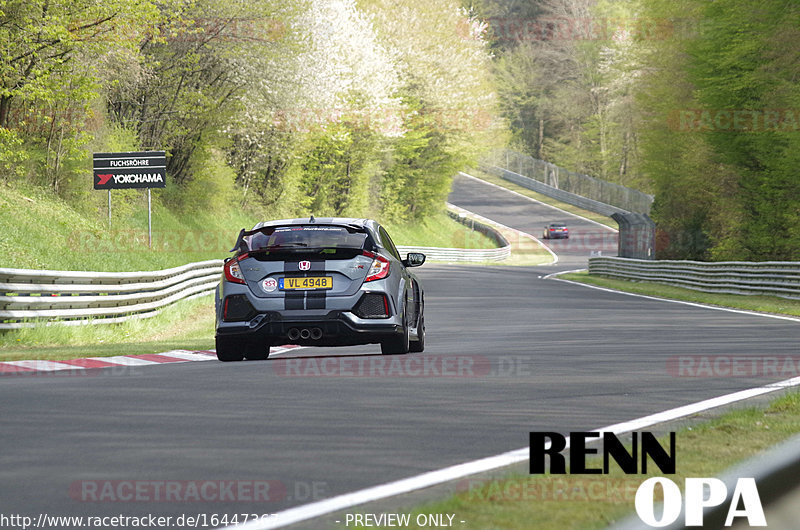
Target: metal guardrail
627,199
555,193
460,254
466,218
775,278
32,297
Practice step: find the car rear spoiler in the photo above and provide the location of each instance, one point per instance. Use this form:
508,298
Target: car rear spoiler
240,244
239,241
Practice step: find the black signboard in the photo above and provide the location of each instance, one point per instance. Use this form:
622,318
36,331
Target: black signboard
143,169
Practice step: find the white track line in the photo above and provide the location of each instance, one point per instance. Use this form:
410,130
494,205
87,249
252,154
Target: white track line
537,201
554,276
432,478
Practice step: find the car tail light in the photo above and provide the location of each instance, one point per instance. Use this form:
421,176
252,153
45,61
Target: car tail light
233,273
379,268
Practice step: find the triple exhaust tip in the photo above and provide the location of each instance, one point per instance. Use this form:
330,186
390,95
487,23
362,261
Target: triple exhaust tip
305,334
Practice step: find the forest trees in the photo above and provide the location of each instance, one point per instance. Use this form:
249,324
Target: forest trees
48,57
565,73
694,101
721,133
340,107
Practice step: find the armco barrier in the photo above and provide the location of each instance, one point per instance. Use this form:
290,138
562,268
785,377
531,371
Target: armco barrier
636,230
459,254
31,297
775,278
569,181
466,218
34,297
550,191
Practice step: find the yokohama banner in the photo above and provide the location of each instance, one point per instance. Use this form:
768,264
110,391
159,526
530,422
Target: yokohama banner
144,169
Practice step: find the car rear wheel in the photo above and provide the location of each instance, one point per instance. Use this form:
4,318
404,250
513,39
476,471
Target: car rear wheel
230,348
417,346
254,353
398,345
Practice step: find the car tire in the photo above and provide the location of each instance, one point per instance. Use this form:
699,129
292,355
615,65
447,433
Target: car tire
256,354
418,346
230,348
397,345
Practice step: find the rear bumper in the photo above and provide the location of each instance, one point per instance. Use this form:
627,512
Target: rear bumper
338,328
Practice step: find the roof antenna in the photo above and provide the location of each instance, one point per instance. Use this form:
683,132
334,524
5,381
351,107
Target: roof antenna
311,219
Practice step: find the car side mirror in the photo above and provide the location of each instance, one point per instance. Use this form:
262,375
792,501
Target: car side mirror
414,259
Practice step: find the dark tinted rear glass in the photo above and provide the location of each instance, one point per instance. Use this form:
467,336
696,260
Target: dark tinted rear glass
307,237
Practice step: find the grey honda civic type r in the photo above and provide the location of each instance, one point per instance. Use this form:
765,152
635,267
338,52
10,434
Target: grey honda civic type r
318,282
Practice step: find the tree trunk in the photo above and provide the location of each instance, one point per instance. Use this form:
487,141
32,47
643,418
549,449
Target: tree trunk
541,139
5,105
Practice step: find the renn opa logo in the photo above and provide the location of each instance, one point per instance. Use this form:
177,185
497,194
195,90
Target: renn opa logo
699,493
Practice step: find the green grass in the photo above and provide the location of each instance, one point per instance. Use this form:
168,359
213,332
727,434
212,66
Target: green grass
555,502
185,325
38,230
602,219
765,304
438,230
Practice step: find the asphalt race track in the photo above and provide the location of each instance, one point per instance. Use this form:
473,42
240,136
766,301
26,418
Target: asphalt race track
507,352
585,236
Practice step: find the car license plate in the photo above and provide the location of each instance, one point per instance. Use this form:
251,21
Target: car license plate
311,282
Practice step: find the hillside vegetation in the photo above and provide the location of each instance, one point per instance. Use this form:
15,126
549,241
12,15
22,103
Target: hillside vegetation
265,109
41,231
368,107
694,101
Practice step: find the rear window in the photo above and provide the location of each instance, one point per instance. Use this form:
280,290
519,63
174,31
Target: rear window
311,237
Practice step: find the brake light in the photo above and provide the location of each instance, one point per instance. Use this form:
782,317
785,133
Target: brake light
379,268
233,273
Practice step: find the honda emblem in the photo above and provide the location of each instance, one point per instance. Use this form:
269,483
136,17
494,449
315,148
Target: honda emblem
305,265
